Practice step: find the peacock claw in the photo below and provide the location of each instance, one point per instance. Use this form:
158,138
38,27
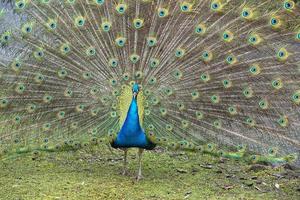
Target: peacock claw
139,177
125,172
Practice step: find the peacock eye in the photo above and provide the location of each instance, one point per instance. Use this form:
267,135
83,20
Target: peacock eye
214,6
120,41
245,13
162,12
274,21
287,5
281,54
138,23
99,2
271,151
20,4
184,8
121,8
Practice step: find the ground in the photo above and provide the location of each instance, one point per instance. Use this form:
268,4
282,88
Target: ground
96,174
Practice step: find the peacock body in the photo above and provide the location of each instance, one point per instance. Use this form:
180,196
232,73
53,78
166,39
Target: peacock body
131,133
187,74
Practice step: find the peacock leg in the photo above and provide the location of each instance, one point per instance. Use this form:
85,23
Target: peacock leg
139,176
125,161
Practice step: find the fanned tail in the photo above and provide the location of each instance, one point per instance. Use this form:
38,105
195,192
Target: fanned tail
222,72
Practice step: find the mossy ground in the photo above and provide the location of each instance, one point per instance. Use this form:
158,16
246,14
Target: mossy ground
167,175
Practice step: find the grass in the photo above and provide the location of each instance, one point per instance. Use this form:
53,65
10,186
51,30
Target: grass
96,174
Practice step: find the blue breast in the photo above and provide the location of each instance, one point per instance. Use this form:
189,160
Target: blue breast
131,133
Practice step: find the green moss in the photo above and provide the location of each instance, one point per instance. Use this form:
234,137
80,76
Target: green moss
96,174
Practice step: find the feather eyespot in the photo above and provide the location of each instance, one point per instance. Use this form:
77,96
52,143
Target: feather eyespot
99,2
121,8
162,12
288,5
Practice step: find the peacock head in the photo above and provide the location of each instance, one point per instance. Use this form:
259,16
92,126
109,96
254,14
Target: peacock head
135,90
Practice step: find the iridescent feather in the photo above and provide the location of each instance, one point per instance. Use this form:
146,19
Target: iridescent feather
214,72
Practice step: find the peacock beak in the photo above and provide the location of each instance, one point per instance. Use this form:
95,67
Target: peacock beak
135,94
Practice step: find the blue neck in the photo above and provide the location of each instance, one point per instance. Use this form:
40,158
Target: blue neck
131,133
131,126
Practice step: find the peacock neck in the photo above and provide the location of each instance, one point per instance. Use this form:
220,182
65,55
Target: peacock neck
131,126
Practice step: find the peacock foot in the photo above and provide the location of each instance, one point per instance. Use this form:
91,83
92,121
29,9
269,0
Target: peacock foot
139,177
125,172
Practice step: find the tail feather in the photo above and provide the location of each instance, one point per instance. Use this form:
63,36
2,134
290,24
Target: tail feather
213,71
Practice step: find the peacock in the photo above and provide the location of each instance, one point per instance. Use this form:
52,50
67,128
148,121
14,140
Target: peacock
220,77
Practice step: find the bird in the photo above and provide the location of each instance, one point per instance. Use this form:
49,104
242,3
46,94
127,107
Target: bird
220,77
131,133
